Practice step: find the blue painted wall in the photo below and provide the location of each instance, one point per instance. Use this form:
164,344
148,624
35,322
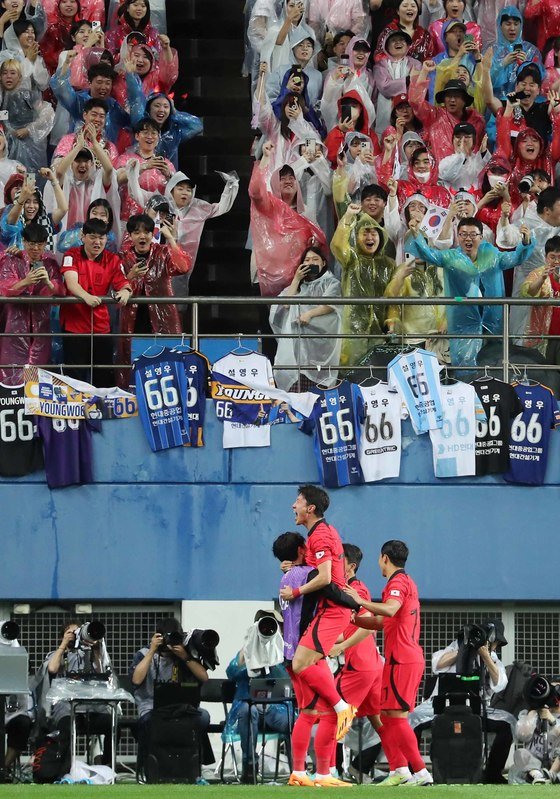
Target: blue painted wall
199,524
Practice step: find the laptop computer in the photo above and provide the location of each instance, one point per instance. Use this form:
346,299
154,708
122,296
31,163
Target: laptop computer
270,689
175,693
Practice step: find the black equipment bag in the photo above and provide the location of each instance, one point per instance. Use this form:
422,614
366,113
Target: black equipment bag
174,746
51,759
456,748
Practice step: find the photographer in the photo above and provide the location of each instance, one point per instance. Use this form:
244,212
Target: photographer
168,659
495,680
539,730
263,644
79,654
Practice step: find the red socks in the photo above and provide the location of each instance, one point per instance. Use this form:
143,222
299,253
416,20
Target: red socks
320,679
324,742
400,744
301,737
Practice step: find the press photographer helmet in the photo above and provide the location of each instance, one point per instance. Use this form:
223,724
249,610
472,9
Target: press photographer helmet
89,634
539,692
9,631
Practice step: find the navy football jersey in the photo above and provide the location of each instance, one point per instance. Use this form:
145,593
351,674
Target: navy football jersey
68,450
335,426
197,372
530,434
20,449
161,393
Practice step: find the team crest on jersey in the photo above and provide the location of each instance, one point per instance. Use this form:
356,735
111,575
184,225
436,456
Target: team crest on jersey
395,592
320,554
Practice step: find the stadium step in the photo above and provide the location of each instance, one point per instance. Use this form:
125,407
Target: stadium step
210,44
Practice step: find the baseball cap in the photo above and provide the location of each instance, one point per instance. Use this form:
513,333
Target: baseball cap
400,99
403,34
454,23
465,129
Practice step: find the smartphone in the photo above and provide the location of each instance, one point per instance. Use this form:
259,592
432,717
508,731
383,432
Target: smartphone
409,258
35,265
30,177
365,146
95,25
313,273
517,48
469,38
345,110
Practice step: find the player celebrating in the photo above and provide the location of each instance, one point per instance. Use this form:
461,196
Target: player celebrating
398,614
323,552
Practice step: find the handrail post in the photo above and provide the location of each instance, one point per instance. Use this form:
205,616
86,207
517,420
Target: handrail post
195,326
505,348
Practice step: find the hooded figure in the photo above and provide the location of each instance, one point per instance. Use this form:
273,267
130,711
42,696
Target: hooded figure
277,54
423,45
124,25
160,77
490,210
314,82
391,75
357,172
56,37
314,177
358,245
34,73
191,213
528,153
504,76
464,277
280,232
342,79
397,166
11,234
356,104
26,320
423,180
176,126
445,57
309,113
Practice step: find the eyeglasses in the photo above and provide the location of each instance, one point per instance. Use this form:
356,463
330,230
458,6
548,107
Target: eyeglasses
469,235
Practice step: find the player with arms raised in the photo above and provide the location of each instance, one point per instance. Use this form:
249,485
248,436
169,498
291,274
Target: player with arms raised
398,614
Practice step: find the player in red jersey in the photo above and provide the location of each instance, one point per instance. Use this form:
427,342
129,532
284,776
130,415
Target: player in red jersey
323,552
398,614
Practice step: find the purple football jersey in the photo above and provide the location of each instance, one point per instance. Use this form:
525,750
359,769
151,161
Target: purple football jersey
67,449
291,611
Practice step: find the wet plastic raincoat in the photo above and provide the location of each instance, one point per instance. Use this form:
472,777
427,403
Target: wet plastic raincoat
26,319
27,109
466,278
422,48
280,233
548,14
336,137
547,156
363,275
504,77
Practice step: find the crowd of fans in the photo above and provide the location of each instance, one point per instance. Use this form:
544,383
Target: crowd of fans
408,149
92,199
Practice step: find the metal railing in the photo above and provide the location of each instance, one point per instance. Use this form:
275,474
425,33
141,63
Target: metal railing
195,335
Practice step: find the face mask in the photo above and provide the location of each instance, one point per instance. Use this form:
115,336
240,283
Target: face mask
493,180
421,176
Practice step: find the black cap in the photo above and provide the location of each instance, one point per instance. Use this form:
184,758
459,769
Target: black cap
454,86
404,35
464,128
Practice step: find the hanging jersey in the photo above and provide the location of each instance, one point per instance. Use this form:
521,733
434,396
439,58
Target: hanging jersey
68,450
243,410
453,445
161,392
20,450
335,425
380,436
501,404
197,372
416,375
402,631
530,434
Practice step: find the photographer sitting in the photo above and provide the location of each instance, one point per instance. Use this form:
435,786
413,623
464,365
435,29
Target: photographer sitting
82,650
495,680
261,648
168,659
538,728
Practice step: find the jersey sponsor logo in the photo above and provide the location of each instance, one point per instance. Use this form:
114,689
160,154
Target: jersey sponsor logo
237,393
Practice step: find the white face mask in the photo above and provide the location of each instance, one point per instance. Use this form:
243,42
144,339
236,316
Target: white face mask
421,176
493,180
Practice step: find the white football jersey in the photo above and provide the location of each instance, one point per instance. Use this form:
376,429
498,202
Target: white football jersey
453,445
380,440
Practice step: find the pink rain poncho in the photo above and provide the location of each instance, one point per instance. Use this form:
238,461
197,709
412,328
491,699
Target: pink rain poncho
280,233
25,319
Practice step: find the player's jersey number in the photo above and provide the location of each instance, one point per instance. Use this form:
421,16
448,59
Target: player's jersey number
341,429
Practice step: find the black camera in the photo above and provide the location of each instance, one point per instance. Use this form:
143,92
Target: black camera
89,634
202,644
539,692
470,639
173,638
268,626
526,184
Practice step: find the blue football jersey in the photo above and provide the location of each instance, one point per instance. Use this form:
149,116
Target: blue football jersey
197,371
416,375
161,393
530,434
335,426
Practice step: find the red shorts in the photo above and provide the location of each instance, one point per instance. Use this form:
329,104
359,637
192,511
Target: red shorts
324,629
361,689
399,687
